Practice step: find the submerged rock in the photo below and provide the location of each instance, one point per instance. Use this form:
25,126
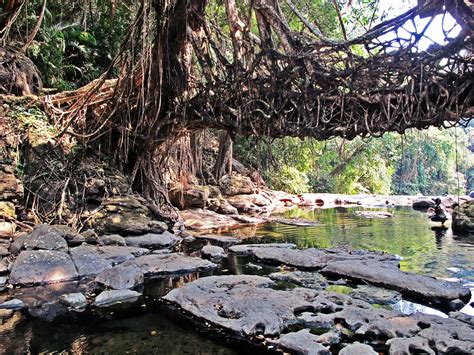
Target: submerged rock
109,298
153,241
42,266
170,264
213,253
373,214
310,259
121,277
437,293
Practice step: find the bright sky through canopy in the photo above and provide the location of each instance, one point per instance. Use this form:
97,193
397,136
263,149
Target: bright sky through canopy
441,28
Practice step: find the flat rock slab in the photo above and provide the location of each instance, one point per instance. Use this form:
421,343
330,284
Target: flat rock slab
119,254
439,294
248,249
109,298
42,266
167,264
248,307
153,241
88,260
313,259
121,277
221,240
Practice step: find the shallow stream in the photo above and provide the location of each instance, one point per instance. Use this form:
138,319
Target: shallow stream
150,328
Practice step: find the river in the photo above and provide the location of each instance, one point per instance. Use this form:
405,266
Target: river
149,327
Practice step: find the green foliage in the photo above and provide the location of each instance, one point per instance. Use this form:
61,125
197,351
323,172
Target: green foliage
75,43
418,162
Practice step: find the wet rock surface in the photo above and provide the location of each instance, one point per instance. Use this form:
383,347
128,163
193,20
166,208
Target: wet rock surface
439,294
310,259
247,306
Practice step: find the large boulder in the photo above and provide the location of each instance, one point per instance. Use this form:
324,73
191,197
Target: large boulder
192,196
124,215
463,218
41,267
236,184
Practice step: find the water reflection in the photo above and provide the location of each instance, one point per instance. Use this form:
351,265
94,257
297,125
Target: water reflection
426,249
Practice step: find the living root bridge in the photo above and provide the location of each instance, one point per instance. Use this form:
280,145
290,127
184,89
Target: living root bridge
278,82
182,70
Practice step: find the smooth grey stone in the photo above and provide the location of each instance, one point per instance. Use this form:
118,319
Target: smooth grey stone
12,304
74,300
213,253
153,241
358,349
109,298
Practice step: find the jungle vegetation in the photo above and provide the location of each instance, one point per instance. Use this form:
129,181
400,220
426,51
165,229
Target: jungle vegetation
151,48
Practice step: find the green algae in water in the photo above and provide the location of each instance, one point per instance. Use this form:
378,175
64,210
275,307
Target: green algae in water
343,290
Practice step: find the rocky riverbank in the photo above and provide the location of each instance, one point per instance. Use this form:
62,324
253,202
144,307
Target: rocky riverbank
306,301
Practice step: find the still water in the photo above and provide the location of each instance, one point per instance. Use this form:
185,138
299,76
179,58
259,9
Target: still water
150,329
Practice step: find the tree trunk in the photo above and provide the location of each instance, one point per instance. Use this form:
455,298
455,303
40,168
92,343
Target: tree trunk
223,164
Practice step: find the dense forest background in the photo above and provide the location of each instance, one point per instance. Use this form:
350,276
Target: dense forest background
77,41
